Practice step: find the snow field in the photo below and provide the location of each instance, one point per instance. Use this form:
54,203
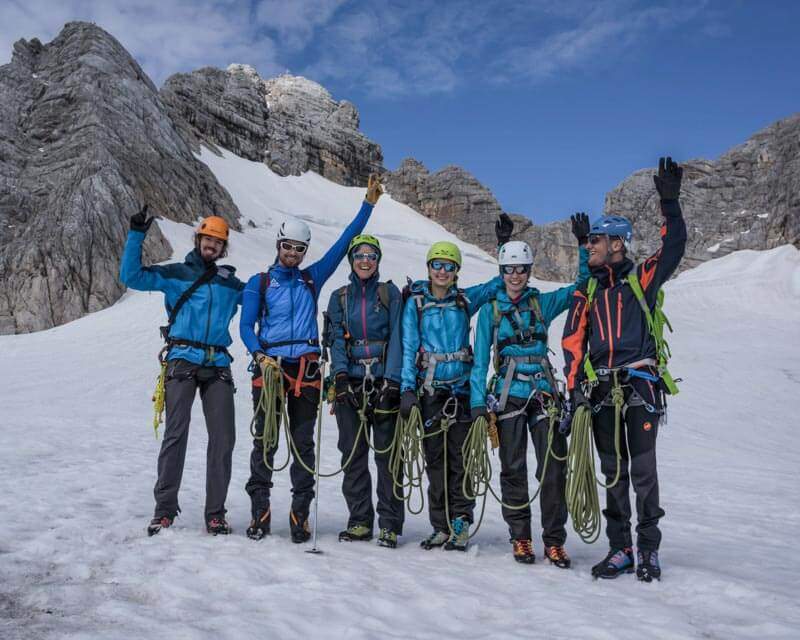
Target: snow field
79,456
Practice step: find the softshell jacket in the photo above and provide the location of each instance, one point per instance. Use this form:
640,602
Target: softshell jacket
290,305
441,330
552,305
614,327
205,316
368,321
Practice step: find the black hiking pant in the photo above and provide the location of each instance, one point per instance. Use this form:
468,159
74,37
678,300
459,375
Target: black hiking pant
513,434
638,431
357,482
433,448
302,403
183,378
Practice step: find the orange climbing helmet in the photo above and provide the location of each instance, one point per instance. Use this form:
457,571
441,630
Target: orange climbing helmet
215,227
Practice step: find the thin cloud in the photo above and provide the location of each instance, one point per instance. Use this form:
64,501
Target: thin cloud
380,48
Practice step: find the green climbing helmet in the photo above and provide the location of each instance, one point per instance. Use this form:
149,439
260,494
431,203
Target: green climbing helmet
364,238
445,251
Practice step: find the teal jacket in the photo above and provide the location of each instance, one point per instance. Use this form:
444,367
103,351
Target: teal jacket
441,329
552,304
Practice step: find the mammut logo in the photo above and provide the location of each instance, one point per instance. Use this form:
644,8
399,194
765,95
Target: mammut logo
647,426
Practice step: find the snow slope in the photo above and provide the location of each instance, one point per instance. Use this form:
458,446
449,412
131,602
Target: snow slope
78,459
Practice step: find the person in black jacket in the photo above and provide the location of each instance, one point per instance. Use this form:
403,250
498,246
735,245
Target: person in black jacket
366,357
607,322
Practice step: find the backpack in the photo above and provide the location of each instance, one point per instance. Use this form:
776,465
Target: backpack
419,298
264,282
656,321
383,297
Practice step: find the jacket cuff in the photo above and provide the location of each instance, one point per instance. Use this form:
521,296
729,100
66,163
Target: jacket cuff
670,208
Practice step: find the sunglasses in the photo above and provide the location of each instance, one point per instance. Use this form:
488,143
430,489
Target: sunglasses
290,246
438,265
509,269
372,257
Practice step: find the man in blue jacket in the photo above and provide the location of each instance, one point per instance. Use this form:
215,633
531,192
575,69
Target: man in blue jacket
366,356
201,299
437,360
515,325
283,302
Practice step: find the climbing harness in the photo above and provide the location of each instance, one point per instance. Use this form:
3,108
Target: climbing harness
656,321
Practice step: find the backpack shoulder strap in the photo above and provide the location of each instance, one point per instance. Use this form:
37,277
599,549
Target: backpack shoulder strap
204,278
263,284
342,293
636,287
536,310
383,294
591,289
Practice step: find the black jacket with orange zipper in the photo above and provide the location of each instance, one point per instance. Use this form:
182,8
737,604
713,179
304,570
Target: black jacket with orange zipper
614,327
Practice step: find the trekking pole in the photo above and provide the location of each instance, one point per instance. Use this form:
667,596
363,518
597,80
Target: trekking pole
323,361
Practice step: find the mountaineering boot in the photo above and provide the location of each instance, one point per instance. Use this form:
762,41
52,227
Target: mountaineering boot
557,555
387,539
436,539
260,525
218,526
647,566
356,533
616,562
157,524
299,528
523,551
459,539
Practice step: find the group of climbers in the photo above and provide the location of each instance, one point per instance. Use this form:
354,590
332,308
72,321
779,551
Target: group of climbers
399,357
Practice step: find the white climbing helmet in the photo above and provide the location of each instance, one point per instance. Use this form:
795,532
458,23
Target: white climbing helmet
515,252
294,230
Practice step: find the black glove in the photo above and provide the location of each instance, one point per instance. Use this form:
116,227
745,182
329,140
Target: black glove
344,393
503,228
577,399
407,402
389,396
580,227
479,412
140,221
668,179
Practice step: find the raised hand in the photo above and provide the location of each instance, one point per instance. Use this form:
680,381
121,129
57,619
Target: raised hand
374,189
580,227
668,179
503,228
140,221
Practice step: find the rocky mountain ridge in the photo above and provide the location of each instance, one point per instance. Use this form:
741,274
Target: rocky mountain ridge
86,138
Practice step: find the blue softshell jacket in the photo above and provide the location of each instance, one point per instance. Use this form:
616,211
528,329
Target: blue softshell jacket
204,317
367,320
291,306
552,304
441,330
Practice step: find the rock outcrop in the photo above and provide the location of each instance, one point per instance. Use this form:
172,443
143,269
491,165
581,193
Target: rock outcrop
290,123
747,199
451,196
84,141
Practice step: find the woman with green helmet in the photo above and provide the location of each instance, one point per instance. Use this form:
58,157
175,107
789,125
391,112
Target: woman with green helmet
437,360
366,355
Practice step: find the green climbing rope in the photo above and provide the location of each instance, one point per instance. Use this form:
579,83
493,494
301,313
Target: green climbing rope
583,501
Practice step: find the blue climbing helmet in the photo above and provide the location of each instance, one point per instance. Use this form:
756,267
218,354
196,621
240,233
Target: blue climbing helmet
613,226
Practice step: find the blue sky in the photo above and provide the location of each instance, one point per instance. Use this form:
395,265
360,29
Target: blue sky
550,104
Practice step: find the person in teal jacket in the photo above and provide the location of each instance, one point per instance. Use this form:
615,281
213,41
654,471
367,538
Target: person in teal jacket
437,359
515,325
196,353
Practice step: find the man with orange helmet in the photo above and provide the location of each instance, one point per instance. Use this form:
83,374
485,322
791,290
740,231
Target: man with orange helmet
201,298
